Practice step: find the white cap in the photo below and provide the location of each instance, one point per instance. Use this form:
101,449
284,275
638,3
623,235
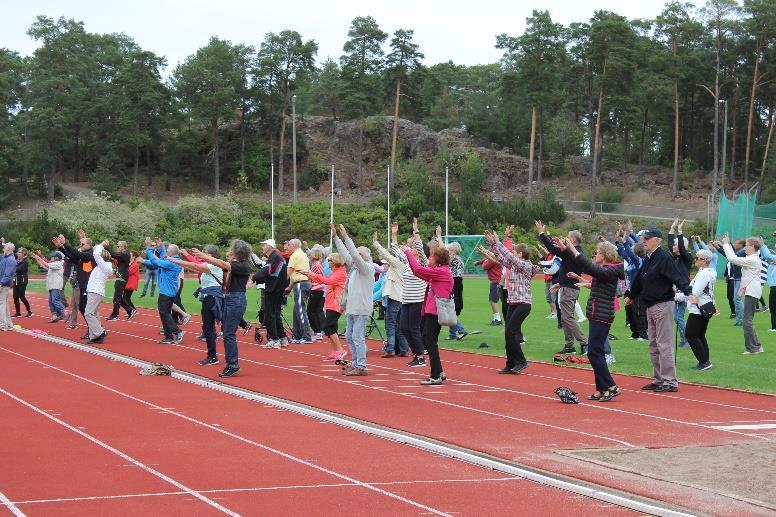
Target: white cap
641,232
270,242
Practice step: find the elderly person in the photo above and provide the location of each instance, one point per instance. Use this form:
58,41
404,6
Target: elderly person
606,273
440,283
358,305
703,293
684,261
20,284
83,263
133,282
456,268
393,285
300,285
211,280
412,297
122,258
55,282
750,288
7,274
654,286
168,288
335,287
315,304
95,292
238,271
568,292
275,279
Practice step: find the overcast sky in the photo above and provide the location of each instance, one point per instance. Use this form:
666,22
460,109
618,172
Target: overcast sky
461,31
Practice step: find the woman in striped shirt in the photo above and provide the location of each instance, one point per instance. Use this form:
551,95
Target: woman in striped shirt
413,294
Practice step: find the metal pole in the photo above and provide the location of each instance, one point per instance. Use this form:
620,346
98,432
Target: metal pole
293,139
724,143
331,207
272,200
389,204
447,201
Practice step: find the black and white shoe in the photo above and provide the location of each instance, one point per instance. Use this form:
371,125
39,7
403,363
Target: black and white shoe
179,337
247,329
111,318
417,362
167,341
208,361
229,371
99,339
132,314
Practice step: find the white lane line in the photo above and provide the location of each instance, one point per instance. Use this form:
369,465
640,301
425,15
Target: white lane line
363,484
122,455
11,506
266,489
743,427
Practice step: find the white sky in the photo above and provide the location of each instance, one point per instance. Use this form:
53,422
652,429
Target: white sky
461,31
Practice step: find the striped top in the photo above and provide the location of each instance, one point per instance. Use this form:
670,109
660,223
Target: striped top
414,289
456,266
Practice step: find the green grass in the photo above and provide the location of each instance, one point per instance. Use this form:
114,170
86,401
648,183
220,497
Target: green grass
731,368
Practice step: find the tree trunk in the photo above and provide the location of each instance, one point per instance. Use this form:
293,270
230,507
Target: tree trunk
539,160
675,182
77,154
50,183
137,159
360,169
596,148
149,169
242,138
767,148
395,132
531,152
216,164
281,179
733,136
751,112
25,164
643,137
625,145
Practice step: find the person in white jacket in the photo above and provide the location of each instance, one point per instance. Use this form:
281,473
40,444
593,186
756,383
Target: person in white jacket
95,292
703,291
751,288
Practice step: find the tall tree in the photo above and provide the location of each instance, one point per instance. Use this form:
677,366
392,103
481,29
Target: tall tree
362,62
401,61
208,83
283,60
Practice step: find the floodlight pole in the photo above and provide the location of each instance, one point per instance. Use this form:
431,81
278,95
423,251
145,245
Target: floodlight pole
724,143
447,201
272,200
389,204
293,139
331,207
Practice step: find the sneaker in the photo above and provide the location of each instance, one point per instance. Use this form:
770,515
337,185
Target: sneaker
519,367
55,319
403,354
99,339
665,388
552,316
271,344
610,359
304,341
462,335
641,339
507,371
179,337
650,387
29,314
17,315
161,331
331,357
451,338
72,326
186,318
703,366
229,371
417,362
208,361
111,318
732,316
283,341
771,330
568,350
318,336
432,381
201,337
247,329
388,354
167,341
583,350
356,372
339,356
132,314
85,336
609,394
496,323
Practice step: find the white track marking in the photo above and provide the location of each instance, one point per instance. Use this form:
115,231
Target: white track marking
752,427
11,506
120,454
267,489
248,441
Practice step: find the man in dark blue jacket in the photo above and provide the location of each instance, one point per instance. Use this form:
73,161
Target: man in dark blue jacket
654,286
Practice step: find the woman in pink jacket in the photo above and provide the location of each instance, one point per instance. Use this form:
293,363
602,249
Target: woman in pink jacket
440,282
332,302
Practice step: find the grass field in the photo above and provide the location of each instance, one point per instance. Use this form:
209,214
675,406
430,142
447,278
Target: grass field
731,367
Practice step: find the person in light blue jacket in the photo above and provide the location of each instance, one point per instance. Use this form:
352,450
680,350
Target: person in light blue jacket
7,275
168,289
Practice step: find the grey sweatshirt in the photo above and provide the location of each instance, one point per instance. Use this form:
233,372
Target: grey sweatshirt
361,279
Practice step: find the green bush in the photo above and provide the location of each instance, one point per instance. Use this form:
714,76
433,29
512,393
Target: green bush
609,198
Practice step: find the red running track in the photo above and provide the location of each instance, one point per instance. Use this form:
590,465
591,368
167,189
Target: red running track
517,418
92,437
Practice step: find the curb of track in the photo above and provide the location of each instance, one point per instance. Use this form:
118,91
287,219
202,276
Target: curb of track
562,482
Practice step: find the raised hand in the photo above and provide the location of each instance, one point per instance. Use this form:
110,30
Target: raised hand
725,239
414,224
674,225
574,276
508,230
540,226
105,243
333,229
439,232
681,225
343,232
374,237
81,233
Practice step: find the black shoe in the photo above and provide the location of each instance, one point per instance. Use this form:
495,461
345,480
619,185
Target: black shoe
229,371
142,295
520,367
732,316
703,366
85,336
208,361
665,388
17,315
247,329
111,318
507,371
132,314
568,350
609,394
583,350
496,323
650,387
29,314
462,335
417,361
99,339
167,341
201,337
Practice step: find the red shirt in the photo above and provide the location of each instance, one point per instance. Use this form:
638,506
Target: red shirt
134,277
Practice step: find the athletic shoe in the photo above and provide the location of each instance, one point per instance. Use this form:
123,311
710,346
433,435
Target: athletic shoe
229,371
85,336
432,381
583,350
568,350
650,387
356,372
417,361
520,367
186,318
73,326
132,314
507,371
179,337
641,339
302,341
339,356
771,330
161,331
99,339
331,357
17,315
55,319
167,341
665,388
552,316
29,314
403,354
732,316
201,337
462,335
703,366
111,318
496,323
283,341
318,336
272,344
247,328
451,338
388,354
208,361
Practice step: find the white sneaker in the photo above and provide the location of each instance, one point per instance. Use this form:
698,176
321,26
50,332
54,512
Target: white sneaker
271,344
610,359
580,320
552,316
186,319
771,330
283,341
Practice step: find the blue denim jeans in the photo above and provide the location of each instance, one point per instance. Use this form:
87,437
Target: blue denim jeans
392,334
738,301
456,329
234,309
679,309
150,274
55,302
356,337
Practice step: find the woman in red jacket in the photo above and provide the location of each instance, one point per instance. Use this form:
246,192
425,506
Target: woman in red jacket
333,302
131,286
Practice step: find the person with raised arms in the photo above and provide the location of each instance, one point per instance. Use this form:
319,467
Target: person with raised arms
168,288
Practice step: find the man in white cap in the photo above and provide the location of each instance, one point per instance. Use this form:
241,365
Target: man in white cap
274,276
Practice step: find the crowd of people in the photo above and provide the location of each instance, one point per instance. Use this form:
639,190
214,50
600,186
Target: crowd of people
418,285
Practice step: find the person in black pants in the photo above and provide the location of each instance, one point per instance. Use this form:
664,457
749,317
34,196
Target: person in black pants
697,323
274,276
606,273
122,258
20,283
83,261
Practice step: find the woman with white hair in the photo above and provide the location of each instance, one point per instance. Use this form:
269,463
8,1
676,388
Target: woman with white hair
457,331
95,292
697,322
7,274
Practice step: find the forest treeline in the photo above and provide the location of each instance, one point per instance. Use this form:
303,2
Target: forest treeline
637,92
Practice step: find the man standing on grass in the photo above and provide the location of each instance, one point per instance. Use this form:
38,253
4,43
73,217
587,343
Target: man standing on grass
300,284
654,286
568,293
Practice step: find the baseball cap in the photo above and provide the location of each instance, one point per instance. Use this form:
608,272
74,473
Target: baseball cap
653,232
270,242
57,254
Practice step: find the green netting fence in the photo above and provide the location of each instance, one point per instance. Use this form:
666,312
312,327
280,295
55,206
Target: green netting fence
742,217
468,244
